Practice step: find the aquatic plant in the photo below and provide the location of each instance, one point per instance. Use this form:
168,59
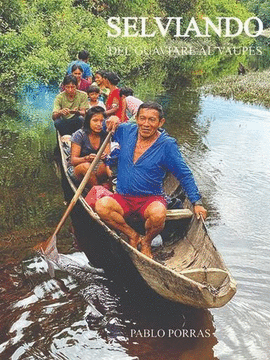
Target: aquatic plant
253,87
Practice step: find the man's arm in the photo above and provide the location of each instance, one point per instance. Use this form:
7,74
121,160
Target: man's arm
112,123
88,75
58,111
84,105
178,167
57,114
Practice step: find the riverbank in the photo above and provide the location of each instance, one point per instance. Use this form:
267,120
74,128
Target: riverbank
18,245
253,87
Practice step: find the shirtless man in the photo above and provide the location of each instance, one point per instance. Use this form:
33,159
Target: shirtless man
146,154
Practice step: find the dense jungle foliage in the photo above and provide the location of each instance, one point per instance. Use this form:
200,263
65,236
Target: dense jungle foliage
260,8
40,37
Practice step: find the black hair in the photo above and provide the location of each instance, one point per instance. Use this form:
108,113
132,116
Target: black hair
83,55
152,105
76,67
126,91
88,116
93,89
101,72
70,79
112,77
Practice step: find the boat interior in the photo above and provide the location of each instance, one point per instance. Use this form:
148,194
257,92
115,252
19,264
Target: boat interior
185,246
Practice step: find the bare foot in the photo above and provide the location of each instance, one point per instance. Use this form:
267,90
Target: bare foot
146,249
134,241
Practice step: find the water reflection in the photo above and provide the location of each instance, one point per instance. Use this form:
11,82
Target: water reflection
31,200
238,138
190,125
48,320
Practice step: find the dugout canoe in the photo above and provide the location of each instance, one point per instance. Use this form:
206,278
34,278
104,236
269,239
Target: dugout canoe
186,269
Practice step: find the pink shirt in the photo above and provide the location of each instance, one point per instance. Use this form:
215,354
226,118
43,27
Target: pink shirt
133,104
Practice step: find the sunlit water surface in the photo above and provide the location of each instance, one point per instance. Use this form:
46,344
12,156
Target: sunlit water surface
226,144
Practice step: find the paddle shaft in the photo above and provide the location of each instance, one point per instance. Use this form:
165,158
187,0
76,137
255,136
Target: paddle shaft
82,184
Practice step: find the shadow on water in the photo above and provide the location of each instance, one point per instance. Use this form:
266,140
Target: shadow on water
45,318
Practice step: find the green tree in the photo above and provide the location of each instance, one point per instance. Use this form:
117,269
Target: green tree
50,35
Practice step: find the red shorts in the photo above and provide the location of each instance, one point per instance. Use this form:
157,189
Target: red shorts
137,204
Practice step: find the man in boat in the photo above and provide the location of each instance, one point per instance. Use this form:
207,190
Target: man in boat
69,107
83,57
146,154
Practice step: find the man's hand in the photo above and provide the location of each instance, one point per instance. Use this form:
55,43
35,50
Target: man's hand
65,111
200,210
103,156
112,123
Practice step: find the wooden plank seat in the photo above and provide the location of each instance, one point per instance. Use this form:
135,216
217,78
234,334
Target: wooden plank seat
176,214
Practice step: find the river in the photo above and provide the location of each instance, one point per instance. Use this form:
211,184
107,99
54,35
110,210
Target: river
226,143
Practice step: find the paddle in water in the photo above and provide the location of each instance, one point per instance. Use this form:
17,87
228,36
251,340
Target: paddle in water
48,248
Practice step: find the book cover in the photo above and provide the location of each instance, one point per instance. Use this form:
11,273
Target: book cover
206,63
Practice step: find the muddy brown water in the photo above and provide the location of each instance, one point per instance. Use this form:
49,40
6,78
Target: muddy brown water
226,144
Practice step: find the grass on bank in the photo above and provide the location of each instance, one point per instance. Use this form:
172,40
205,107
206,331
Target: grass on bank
253,87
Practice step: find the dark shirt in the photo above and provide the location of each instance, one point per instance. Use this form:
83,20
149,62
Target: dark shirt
81,138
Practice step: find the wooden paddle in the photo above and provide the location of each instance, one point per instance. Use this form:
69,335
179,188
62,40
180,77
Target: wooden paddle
48,248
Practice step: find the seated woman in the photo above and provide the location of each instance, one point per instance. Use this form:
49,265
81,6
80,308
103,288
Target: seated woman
85,144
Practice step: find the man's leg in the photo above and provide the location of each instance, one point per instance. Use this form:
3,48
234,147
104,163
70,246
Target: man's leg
68,126
76,122
113,214
155,216
60,125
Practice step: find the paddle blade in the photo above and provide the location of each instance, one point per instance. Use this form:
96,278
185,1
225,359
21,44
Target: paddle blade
50,267
48,250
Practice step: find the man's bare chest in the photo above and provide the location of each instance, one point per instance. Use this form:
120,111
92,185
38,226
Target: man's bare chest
140,149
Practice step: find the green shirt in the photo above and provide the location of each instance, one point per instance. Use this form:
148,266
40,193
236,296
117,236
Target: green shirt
80,101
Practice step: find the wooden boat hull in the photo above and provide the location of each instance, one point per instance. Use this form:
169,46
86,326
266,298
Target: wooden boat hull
191,273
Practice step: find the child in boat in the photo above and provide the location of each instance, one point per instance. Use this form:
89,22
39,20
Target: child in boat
130,103
93,93
85,144
100,82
